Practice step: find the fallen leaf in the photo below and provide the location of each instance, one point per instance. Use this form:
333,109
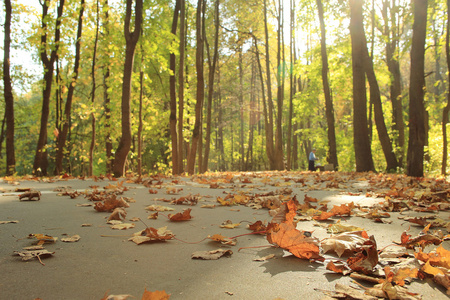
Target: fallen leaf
151,234
222,239
267,257
27,255
118,214
7,222
72,239
366,259
123,226
184,216
42,238
156,295
212,255
153,216
347,241
158,208
229,225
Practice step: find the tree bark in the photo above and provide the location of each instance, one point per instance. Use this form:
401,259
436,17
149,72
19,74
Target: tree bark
212,71
446,109
268,112
363,152
107,99
94,87
329,109
390,32
416,92
200,89
9,98
181,85
173,96
68,106
279,165
131,38
41,161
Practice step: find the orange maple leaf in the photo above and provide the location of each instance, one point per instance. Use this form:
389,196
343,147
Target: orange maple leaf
286,236
184,216
344,209
156,295
257,226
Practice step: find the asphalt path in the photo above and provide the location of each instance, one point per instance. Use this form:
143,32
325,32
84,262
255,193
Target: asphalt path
104,261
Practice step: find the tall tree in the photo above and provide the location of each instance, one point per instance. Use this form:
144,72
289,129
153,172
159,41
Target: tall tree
62,137
212,71
94,87
391,33
41,160
329,110
107,96
279,165
131,38
268,108
363,152
9,98
417,133
446,110
173,95
181,85
200,88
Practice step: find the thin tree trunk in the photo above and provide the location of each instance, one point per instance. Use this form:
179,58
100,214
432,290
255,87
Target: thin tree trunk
446,109
140,126
329,109
363,153
131,38
107,100
94,87
241,110
68,107
181,85
212,71
9,99
417,133
173,96
200,89
268,113
280,94
41,161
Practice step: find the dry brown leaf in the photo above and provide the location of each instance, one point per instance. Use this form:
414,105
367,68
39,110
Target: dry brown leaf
267,257
347,241
184,216
123,226
72,239
366,259
212,255
7,222
158,208
222,239
27,255
119,213
151,234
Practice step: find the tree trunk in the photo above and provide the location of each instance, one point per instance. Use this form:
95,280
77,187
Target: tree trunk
268,112
391,36
94,87
241,110
107,100
173,96
40,161
375,98
68,107
9,99
200,89
446,109
329,109
416,92
131,38
212,71
279,165
363,153
181,85
141,125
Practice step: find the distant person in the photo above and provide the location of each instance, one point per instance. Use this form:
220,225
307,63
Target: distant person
312,160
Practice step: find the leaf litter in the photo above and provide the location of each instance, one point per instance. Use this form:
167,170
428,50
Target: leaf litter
397,193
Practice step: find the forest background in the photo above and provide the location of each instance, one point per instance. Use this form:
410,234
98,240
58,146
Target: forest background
100,86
